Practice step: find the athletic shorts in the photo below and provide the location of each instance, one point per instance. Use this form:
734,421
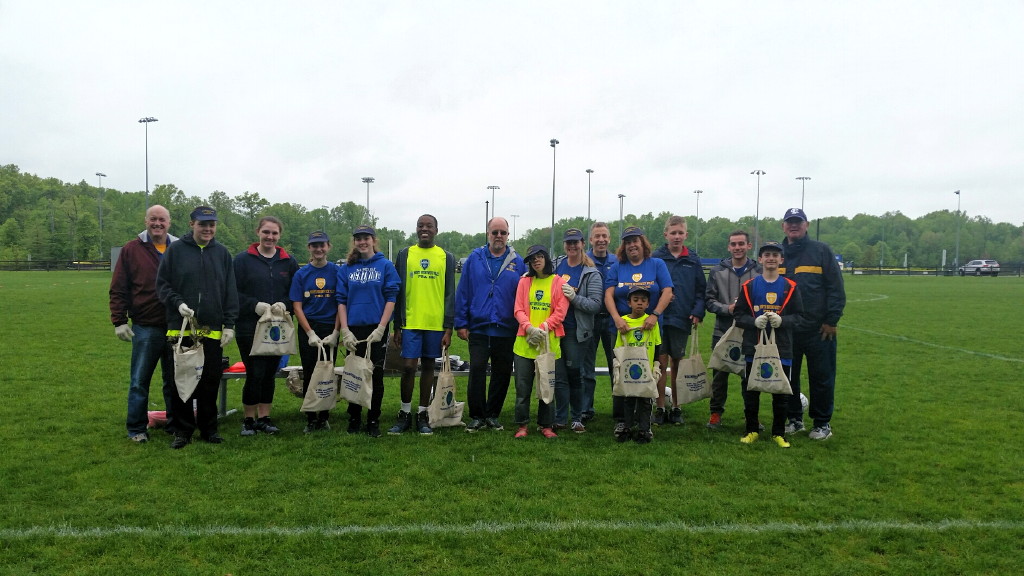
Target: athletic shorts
673,342
421,343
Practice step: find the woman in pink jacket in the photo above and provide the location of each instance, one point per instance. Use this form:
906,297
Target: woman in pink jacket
540,308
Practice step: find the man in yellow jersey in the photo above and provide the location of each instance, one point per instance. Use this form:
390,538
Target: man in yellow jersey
424,317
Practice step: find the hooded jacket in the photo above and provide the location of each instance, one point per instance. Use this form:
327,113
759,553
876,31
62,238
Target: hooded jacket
133,284
814,268
588,302
688,288
486,305
201,277
724,288
365,288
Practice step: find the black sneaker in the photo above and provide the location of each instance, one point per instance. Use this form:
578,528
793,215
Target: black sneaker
212,438
402,423
676,416
249,427
643,436
624,435
373,429
311,426
354,424
180,441
659,417
266,425
423,424
494,424
475,424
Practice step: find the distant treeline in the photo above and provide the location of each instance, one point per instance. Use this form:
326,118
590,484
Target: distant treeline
47,219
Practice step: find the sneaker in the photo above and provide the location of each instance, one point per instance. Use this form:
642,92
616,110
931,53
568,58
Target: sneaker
140,438
750,438
475,424
423,424
659,417
355,423
555,426
578,427
494,424
820,432
620,429
266,425
760,427
249,427
623,435
676,416
586,417
548,433
643,437
213,438
715,422
795,426
402,423
781,441
180,441
522,432
323,425
310,428
372,429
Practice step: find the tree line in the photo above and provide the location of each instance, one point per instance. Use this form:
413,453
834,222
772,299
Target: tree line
47,219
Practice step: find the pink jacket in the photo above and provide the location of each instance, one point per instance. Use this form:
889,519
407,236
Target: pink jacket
559,306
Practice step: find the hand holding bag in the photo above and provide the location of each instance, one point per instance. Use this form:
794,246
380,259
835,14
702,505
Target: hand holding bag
444,410
357,378
767,373
728,353
188,360
322,393
633,378
691,384
275,335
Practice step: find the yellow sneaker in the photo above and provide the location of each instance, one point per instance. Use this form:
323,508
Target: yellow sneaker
750,438
781,441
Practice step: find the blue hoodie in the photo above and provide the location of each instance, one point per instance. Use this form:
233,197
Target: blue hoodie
366,287
483,304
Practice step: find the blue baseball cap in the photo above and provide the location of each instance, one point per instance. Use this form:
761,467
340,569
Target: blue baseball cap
203,214
795,213
318,237
770,246
572,234
631,232
534,250
637,290
364,229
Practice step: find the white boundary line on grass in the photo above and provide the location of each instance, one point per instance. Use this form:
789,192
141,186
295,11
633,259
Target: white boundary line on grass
495,527
923,343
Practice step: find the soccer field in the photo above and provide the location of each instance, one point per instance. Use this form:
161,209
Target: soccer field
925,473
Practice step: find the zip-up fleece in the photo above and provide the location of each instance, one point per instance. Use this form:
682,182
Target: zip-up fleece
724,288
202,278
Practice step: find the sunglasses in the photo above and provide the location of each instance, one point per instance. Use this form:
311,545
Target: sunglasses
499,232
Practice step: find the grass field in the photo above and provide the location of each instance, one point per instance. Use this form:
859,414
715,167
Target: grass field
925,473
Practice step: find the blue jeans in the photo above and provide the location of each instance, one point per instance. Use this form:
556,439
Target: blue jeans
525,373
568,379
604,331
821,376
149,346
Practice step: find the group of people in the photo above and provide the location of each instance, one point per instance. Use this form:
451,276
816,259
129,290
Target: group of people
510,309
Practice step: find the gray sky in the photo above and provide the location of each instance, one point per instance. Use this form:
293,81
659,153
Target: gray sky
885,105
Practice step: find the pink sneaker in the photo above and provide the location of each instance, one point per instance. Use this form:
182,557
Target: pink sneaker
548,433
522,432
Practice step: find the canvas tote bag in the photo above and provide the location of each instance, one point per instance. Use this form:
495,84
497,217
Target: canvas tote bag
322,393
444,410
275,335
728,353
188,361
767,374
357,378
544,366
633,377
691,384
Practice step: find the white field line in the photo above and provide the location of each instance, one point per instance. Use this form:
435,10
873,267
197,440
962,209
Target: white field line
933,345
856,526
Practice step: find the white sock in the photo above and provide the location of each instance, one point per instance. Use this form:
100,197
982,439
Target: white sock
422,409
406,407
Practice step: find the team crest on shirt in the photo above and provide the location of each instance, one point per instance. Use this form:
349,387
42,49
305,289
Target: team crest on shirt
321,282
511,267
638,334
637,277
424,263
565,278
771,297
539,294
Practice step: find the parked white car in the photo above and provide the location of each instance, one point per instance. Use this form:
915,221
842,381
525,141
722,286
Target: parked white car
980,268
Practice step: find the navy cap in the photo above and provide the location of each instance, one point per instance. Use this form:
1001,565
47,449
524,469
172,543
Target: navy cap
572,234
364,229
632,231
795,213
203,214
318,237
536,249
637,289
770,246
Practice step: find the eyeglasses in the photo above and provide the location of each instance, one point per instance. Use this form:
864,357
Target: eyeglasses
499,232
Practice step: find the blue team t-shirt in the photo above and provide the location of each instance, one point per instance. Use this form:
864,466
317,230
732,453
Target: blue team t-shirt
652,274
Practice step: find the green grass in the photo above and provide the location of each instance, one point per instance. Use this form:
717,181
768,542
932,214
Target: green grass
925,473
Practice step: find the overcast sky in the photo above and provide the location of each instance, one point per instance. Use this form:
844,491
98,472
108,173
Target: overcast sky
885,105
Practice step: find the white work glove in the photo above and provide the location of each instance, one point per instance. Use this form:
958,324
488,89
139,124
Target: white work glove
262,308
226,336
185,311
124,332
656,371
761,321
279,309
349,340
774,319
569,292
377,335
312,338
535,336
331,339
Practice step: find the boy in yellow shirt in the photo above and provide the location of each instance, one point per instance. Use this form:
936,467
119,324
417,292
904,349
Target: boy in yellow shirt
638,410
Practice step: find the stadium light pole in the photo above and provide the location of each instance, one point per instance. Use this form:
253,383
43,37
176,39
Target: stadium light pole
803,181
492,189
368,180
553,143
621,196
146,121
757,209
514,216
956,258
99,206
696,241
589,172
486,216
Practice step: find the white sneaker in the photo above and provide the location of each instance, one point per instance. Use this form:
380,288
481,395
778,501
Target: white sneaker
794,426
820,432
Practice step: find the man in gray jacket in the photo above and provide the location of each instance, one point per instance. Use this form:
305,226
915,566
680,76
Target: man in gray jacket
724,283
